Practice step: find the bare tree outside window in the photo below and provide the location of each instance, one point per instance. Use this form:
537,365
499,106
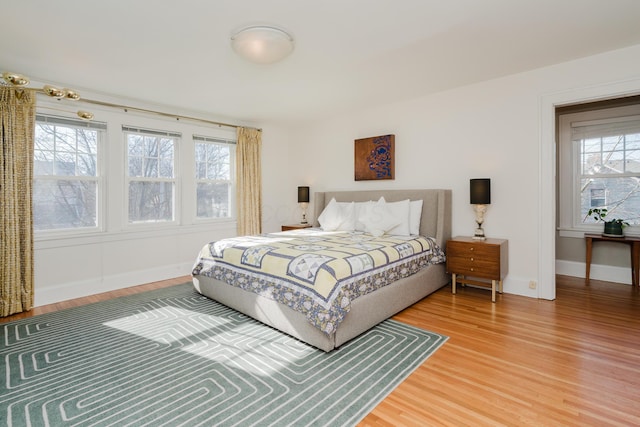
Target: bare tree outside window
610,176
65,191
151,171
213,178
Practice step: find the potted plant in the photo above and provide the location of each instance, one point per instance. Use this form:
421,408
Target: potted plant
612,227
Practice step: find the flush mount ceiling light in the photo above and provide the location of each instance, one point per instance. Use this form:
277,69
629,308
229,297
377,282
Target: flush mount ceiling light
262,44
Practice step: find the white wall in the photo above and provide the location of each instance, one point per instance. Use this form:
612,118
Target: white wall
279,184
500,129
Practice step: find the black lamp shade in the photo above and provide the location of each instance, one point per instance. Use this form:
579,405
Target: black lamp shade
303,194
480,191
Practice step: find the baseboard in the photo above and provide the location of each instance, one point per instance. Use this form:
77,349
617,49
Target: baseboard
520,286
56,293
598,271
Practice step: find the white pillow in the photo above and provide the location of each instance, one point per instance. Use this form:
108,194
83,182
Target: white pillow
400,211
415,212
361,211
379,218
337,216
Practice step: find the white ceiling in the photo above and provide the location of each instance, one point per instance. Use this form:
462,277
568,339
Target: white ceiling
348,54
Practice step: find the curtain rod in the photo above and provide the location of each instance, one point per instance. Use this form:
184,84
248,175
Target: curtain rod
160,113
144,110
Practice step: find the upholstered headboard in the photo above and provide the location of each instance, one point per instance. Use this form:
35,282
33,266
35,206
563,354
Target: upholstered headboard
436,207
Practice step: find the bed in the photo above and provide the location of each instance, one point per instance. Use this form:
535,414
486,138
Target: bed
241,292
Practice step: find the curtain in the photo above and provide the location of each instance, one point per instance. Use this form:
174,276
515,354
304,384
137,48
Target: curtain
249,181
17,127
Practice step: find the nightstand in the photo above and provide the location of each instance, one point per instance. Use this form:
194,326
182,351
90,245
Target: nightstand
295,227
477,259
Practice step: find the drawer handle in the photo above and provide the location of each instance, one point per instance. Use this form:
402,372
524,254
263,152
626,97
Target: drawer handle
471,268
471,248
471,259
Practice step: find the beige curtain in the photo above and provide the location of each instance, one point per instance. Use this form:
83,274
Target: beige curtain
249,181
17,115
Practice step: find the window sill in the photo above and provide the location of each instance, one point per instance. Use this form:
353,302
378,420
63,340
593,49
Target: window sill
579,233
60,240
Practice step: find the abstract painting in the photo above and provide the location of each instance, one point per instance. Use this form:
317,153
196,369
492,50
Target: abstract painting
374,158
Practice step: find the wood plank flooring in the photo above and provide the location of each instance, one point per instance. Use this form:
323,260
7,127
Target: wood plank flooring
521,361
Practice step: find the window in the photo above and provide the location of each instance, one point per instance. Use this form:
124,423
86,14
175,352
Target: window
151,179
609,156
600,165
598,197
214,160
66,176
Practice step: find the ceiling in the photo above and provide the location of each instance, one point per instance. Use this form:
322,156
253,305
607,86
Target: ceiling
348,53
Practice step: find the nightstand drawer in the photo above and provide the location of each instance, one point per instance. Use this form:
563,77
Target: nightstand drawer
475,250
488,268
295,227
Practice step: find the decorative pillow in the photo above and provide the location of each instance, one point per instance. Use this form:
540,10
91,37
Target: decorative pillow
337,216
415,212
400,211
379,218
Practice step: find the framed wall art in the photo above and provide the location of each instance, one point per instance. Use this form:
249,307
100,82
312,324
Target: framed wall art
375,158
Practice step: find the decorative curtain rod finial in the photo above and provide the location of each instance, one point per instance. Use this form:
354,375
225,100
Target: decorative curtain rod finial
54,92
15,79
20,81
71,95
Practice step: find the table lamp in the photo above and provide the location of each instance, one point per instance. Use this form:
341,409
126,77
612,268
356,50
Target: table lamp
480,192
303,201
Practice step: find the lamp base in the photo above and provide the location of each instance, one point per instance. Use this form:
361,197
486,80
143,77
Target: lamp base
479,233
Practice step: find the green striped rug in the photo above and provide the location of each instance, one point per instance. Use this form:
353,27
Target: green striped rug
172,357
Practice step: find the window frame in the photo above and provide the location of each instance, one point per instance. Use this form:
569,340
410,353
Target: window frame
570,173
128,179
113,212
200,139
99,179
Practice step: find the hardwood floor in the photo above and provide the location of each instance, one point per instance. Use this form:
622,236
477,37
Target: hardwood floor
96,298
520,361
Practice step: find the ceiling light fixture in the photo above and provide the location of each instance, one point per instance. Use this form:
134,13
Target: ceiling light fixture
19,81
262,44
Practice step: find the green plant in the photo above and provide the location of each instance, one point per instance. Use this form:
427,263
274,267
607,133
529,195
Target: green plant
599,214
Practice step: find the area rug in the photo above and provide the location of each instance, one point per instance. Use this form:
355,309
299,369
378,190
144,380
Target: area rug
173,357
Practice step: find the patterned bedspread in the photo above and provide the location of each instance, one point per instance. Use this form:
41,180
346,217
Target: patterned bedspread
315,272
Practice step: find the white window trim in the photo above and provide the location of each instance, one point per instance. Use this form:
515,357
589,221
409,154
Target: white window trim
232,171
113,213
176,180
100,227
568,175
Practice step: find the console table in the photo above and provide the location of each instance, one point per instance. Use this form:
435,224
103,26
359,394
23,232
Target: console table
634,246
